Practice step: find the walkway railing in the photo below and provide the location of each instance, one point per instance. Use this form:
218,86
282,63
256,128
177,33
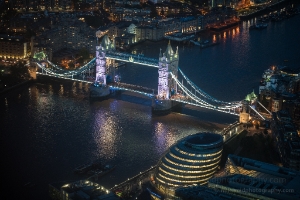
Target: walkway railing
132,179
232,130
133,88
133,58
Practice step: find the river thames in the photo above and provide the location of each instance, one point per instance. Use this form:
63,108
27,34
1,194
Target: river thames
49,128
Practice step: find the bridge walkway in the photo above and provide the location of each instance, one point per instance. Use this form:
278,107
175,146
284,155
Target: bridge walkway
133,58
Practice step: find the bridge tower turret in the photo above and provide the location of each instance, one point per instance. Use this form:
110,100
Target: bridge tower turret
168,62
106,45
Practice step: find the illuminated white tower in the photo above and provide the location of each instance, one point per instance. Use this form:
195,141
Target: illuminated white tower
101,50
100,65
163,75
168,62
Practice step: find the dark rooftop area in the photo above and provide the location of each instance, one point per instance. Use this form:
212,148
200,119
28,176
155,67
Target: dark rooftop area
203,138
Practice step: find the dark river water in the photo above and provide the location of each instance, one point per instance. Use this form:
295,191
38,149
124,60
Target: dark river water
49,128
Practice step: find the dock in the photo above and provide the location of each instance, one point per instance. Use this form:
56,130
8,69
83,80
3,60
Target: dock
134,183
179,37
224,25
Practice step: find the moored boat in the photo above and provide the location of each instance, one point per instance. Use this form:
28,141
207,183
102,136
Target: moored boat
258,26
95,174
82,169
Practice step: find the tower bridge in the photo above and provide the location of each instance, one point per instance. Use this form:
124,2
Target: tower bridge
170,91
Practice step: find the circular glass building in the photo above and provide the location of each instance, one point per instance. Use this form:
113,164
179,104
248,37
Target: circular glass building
192,160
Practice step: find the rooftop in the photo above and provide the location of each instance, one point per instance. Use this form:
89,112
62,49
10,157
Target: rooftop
203,138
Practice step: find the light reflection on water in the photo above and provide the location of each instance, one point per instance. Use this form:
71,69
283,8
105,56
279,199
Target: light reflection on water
106,134
161,134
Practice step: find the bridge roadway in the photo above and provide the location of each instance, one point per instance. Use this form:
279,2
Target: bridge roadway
133,58
114,86
132,88
187,100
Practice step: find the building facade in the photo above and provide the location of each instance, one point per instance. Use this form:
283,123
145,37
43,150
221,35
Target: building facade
192,160
252,179
13,47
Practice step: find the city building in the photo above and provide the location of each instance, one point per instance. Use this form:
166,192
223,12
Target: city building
191,161
279,89
149,33
21,5
81,190
286,138
202,192
13,47
66,33
252,179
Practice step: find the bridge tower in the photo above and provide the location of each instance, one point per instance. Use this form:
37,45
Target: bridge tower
168,62
101,62
249,102
245,112
99,89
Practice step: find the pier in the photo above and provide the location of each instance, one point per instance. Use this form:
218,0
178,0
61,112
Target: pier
179,37
134,184
224,25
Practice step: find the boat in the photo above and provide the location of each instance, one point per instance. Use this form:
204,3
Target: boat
258,26
261,25
195,42
95,174
225,25
106,169
29,185
208,44
82,169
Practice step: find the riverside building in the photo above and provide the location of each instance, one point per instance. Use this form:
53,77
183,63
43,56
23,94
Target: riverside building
13,47
191,161
252,179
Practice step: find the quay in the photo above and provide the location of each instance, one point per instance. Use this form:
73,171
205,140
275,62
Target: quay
262,10
179,37
224,25
134,184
